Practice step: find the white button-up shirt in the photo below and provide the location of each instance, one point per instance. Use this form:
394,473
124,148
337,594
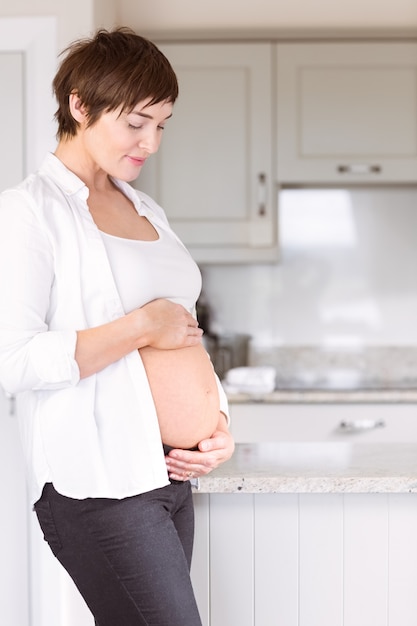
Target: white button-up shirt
95,437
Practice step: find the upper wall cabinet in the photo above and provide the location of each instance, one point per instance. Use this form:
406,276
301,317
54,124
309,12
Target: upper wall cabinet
213,172
347,112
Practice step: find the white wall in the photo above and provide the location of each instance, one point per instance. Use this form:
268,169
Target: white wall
75,18
360,292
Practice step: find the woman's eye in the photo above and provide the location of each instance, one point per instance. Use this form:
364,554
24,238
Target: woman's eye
133,127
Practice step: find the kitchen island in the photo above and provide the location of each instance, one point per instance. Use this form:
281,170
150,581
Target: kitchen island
309,534
318,467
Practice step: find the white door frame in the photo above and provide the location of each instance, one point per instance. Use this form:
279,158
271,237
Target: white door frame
35,38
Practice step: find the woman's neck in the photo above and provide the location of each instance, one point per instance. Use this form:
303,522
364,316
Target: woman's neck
72,154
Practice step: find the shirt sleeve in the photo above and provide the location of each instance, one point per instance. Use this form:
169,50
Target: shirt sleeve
31,355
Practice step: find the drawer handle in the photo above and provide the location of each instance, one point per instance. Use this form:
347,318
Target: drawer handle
357,426
262,194
359,168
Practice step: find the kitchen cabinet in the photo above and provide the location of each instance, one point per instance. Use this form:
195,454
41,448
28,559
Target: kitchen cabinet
347,112
306,559
308,534
344,422
213,171
255,116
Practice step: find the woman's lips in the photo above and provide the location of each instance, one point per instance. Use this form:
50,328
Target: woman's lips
138,161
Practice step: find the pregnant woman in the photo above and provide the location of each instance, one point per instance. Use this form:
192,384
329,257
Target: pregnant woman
119,403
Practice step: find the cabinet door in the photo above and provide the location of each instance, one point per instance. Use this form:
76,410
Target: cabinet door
212,174
353,423
347,112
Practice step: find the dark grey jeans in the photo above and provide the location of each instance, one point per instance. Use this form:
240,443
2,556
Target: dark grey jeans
130,558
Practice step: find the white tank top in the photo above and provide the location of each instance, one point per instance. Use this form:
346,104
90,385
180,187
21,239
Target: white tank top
146,270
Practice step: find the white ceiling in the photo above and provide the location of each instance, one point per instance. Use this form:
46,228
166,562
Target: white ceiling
215,15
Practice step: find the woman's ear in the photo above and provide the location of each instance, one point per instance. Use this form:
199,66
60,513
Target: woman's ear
77,108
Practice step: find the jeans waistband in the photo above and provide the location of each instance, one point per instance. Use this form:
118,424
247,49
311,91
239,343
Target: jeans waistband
168,449
195,482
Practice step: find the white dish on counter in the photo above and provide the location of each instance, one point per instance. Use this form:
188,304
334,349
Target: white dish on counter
250,380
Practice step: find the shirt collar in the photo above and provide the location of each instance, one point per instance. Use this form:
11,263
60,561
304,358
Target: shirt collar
71,184
61,175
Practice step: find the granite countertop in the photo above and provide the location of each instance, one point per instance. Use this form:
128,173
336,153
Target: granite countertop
329,467
311,395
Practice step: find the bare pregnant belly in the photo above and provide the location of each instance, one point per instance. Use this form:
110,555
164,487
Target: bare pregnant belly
185,394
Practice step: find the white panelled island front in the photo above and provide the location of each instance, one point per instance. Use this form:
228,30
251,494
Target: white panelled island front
309,534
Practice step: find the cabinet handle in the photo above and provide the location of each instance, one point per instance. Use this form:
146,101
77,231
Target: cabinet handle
359,168
261,194
357,426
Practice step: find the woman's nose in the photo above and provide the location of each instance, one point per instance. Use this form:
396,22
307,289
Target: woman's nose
150,141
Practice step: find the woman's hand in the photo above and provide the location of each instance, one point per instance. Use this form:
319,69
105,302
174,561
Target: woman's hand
186,464
166,325
160,323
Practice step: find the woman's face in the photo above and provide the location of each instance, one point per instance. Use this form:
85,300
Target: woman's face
119,142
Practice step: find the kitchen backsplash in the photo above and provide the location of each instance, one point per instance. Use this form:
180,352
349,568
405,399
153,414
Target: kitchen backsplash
311,366
347,278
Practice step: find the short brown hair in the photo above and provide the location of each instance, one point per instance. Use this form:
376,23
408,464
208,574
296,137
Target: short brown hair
113,69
